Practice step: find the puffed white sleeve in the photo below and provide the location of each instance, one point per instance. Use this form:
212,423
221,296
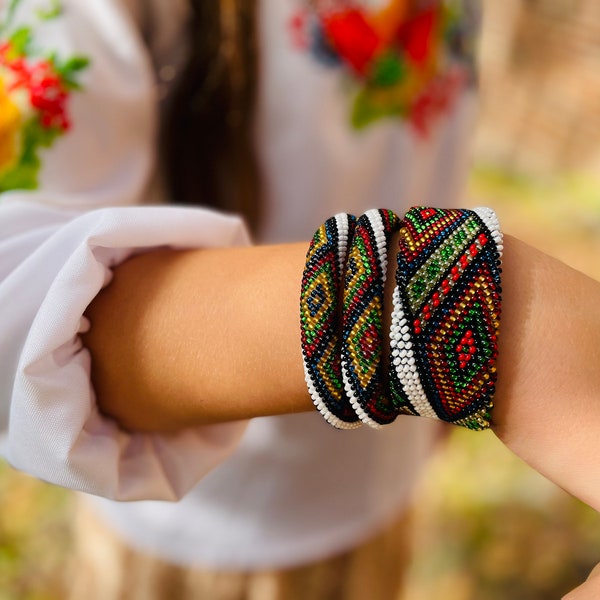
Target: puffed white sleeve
77,128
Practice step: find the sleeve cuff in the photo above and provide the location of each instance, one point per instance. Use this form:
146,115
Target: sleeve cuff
55,430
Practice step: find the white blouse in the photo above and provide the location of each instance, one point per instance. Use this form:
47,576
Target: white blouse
272,492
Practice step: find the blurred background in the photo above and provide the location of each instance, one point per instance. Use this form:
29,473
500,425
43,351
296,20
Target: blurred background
487,526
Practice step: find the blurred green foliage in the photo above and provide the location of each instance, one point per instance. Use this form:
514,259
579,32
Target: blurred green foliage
490,528
35,534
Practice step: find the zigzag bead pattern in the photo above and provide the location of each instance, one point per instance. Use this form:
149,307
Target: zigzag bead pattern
363,318
319,320
446,315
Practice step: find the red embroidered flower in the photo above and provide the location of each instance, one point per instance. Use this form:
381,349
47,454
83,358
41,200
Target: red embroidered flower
16,65
417,35
352,37
436,99
47,92
298,27
49,96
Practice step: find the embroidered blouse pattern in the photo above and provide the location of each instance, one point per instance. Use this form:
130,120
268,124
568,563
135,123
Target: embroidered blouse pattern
35,88
402,58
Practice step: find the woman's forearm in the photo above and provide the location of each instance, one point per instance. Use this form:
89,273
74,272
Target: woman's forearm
188,338
194,337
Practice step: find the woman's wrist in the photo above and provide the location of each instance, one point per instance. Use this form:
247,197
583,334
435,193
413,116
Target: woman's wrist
547,403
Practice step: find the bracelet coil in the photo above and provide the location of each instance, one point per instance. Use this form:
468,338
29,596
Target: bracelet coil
446,315
320,319
363,318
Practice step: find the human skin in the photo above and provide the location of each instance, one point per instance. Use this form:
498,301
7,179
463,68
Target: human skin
589,590
186,338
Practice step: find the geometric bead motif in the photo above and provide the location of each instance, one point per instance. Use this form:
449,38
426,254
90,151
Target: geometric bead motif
446,315
319,320
362,330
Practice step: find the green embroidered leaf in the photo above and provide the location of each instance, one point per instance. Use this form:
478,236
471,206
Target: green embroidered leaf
24,175
76,63
363,110
20,42
70,69
37,135
53,11
370,105
387,70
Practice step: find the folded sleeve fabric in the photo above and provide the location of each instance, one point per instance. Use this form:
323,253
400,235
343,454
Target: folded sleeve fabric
77,128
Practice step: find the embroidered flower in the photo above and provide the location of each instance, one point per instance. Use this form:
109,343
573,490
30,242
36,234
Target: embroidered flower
35,89
10,130
352,37
406,59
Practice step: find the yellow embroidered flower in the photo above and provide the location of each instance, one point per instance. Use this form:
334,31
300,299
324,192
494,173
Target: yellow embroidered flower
11,121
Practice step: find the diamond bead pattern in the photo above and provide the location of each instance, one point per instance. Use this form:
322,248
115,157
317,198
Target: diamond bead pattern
446,315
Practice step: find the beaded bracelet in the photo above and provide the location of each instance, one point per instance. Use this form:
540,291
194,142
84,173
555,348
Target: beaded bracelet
445,319
362,330
319,320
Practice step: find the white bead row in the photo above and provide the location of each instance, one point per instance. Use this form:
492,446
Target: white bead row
489,217
376,221
403,360
322,407
358,409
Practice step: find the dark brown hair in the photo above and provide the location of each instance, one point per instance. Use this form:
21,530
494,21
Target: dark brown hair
207,135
